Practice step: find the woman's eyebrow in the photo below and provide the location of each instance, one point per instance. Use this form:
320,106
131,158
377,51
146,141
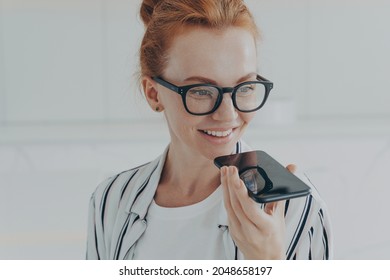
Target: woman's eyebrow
201,80
247,77
210,81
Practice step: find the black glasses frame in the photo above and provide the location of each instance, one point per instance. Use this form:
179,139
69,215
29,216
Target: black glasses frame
182,90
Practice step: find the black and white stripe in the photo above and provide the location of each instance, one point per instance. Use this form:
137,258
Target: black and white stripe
300,227
126,224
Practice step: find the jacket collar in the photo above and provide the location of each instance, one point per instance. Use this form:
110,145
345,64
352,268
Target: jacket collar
147,183
141,198
148,180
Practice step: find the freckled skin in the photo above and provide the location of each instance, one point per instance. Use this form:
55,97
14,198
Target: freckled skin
224,57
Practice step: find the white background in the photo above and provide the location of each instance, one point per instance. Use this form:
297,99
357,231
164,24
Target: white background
71,114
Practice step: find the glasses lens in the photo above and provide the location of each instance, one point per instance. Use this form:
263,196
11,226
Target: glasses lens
201,99
253,180
250,96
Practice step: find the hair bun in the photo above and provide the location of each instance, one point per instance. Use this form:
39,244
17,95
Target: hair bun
147,9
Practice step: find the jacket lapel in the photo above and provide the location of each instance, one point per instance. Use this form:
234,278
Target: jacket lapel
132,223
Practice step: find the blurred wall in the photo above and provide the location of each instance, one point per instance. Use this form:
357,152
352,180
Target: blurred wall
71,114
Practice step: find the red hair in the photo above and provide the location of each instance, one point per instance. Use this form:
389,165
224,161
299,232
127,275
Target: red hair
164,19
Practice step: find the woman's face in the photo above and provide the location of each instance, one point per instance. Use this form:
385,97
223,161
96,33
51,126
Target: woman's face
201,55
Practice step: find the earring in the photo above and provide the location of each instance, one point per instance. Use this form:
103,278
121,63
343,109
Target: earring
157,109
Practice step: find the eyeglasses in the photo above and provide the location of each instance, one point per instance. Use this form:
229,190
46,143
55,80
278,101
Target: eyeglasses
204,99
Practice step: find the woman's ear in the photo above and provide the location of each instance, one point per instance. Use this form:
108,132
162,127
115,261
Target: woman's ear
151,94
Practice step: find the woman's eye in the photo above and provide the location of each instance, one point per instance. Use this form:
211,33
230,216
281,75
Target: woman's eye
246,89
199,92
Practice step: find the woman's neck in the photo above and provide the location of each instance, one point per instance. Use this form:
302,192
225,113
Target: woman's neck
186,179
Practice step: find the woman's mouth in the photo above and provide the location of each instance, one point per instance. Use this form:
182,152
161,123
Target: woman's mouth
218,133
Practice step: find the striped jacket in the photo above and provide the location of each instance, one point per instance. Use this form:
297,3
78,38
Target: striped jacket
119,205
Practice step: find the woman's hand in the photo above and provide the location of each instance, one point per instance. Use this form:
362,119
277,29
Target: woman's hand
258,233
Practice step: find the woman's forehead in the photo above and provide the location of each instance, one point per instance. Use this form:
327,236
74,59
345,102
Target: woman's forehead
209,52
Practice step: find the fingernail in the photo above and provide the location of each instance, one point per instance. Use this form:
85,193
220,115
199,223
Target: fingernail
231,170
234,170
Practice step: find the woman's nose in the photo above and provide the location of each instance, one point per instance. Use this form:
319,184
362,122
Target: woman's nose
226,110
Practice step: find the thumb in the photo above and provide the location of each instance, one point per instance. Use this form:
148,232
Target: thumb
292,168
275,207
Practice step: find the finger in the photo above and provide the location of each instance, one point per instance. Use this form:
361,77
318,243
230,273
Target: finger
236,190
265,218
275,208
226,197
247,209
292,168
233,182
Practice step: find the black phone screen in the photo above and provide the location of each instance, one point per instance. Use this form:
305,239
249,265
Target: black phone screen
265,178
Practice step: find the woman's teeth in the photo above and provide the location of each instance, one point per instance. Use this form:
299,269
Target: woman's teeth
218,133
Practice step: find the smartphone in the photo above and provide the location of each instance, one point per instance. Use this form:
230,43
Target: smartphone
264,177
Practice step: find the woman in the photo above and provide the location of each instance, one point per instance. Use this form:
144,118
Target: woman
198,67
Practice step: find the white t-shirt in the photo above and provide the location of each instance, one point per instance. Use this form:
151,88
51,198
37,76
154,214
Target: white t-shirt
170,232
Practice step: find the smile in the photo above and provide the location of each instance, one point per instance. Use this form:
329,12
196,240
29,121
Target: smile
218,133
